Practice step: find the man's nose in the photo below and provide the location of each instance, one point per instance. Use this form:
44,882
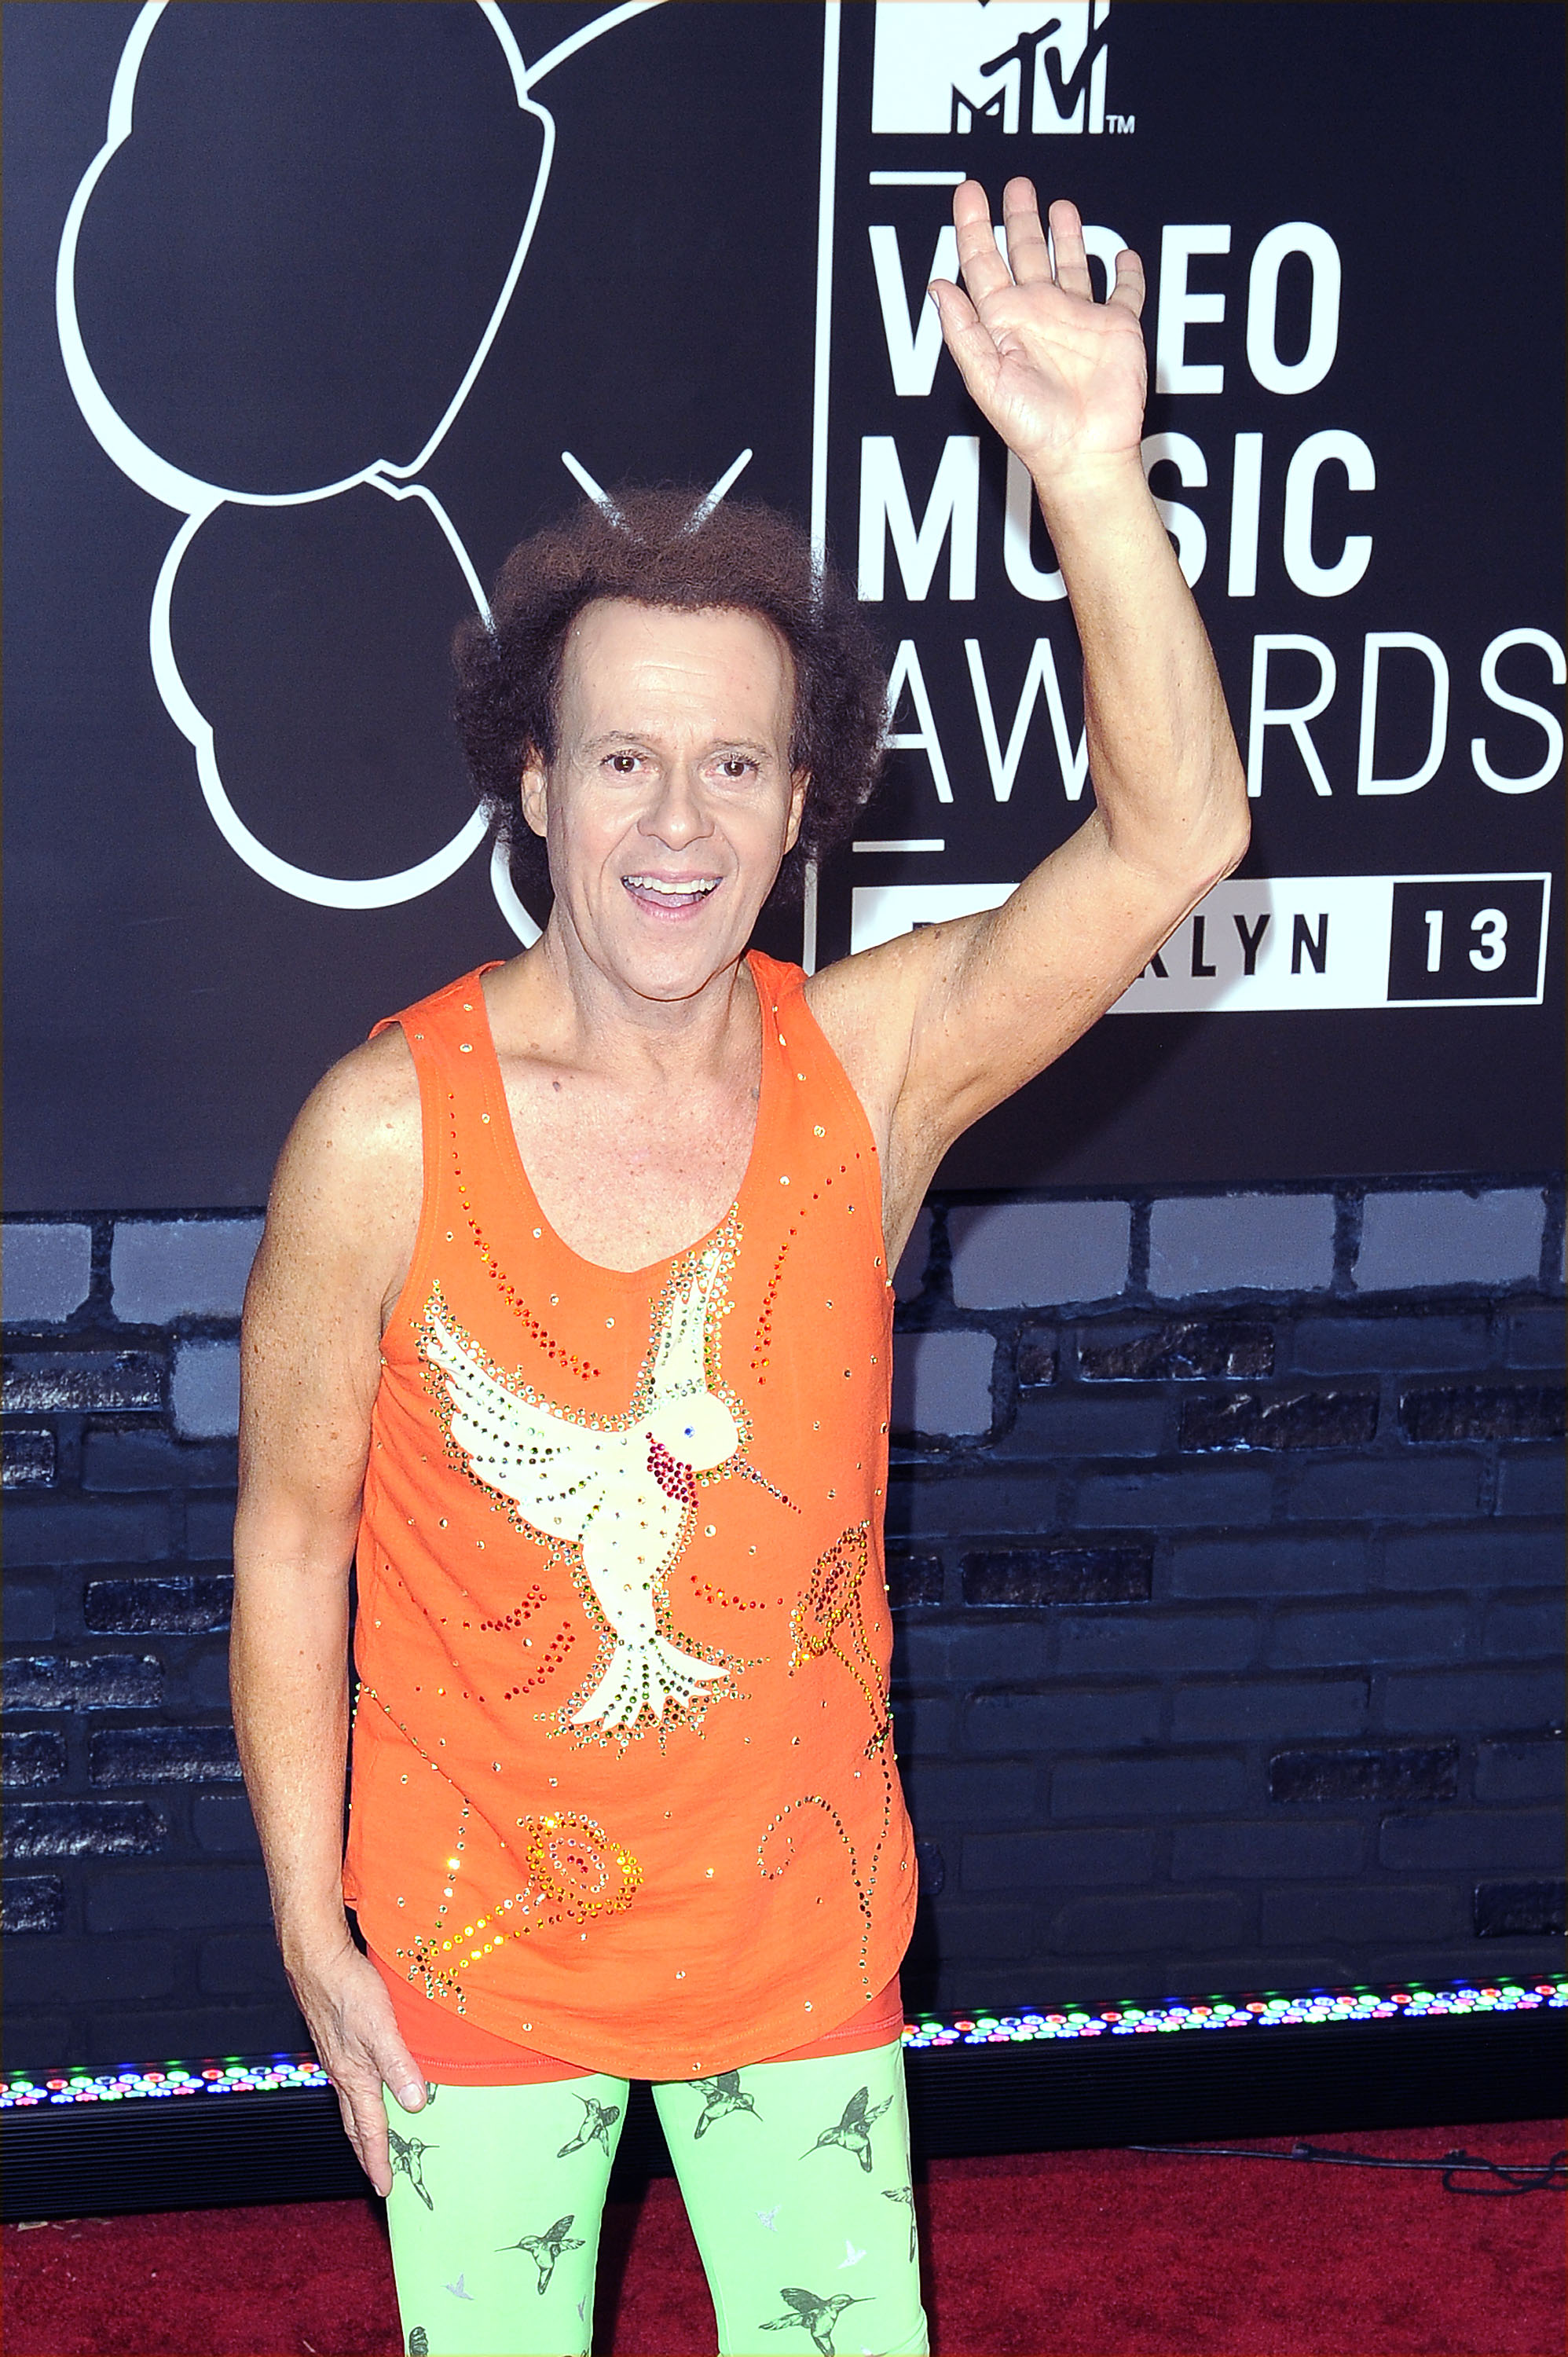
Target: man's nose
677,815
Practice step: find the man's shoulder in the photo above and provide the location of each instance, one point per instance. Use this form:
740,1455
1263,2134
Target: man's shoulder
362,1117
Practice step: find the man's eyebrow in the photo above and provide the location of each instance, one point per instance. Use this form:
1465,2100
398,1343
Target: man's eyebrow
628,737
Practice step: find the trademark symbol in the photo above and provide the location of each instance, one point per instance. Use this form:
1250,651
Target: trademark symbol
1123,123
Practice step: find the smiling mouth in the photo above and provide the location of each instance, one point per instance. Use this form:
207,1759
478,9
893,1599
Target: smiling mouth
682,891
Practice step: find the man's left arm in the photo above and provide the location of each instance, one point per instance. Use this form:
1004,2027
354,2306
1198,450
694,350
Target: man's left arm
942,1025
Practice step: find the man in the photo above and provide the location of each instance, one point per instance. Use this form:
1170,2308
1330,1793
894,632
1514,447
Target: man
572,1312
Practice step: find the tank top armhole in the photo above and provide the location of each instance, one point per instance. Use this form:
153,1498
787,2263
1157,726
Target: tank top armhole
427,1071
790,981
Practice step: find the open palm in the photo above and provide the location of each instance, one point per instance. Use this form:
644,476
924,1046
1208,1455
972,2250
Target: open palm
1061,377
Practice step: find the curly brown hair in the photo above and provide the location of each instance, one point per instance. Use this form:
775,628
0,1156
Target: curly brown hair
739,557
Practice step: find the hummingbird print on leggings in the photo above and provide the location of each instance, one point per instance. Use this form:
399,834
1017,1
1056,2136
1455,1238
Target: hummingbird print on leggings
546,2248
905,2194
408,2160
724,2094
853,2129
809,2313
597,2121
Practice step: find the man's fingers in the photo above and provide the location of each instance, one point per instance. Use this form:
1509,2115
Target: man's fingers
972,346
983,269
1129,288
1072,261
1027,252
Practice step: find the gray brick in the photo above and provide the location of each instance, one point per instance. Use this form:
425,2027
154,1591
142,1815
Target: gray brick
1017,1255
1039,1862
204,1389
84,1829
1520,1771
1368,1633
1068,1424
178,1899
107,1973
209,1527
1394,1772
998,1650
1038,1353
94,1682
1359,1912
1028,1723
923,1724
1265,1853
62,1530
1155,1501
77,1382
1481,1556
29,1902
1169,1786
162,1269
1155,1641
1164,1924
1529,1481
1520,1841
221,1823
1492,1702
205,1684
174,1604
270,2029
941,1383
32,1755
1535,1338
1485,1412
1300,1419
120,1458
241,1964
972,1507
30,1610
1444,1237
931,1869
969,1793
1226,1244
983,1933
913,1580
45,1267
1327,1345
28,1458
1181,1350
163,1755
1345,1488
909,1276
1504,1910
1025,1576
1268,1565
1271,1709
1524,1625
35,2040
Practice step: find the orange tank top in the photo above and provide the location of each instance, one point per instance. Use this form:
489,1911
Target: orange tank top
623,1779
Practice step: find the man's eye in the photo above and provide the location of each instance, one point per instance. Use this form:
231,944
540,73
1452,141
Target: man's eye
623,764
735,765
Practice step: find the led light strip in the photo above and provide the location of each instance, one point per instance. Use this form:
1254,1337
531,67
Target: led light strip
277,2074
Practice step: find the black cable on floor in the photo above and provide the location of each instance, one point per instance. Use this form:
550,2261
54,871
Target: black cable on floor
1543,2177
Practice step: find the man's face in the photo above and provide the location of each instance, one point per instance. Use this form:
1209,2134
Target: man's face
670,802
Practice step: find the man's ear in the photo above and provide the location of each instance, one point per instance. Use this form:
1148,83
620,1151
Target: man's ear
800,786
534,787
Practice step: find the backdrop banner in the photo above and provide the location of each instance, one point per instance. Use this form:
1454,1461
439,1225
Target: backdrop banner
314,309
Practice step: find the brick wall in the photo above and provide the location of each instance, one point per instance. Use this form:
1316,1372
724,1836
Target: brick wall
1225,1541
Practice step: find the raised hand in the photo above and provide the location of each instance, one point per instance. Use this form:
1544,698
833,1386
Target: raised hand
1061,377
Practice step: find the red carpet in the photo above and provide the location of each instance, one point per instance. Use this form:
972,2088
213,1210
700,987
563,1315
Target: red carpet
1052,2254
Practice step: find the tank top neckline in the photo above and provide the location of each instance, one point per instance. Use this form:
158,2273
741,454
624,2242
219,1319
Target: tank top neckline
511,1152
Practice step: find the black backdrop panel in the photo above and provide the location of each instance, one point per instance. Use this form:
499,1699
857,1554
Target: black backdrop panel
343,283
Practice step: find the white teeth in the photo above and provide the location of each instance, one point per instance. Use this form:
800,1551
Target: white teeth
698,889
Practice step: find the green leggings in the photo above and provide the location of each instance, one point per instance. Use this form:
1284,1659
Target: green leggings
796,2179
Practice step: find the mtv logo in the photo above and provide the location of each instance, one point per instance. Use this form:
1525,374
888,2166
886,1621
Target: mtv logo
946,65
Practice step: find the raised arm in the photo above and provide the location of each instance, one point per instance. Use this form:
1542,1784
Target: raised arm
341,1219
939,1027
